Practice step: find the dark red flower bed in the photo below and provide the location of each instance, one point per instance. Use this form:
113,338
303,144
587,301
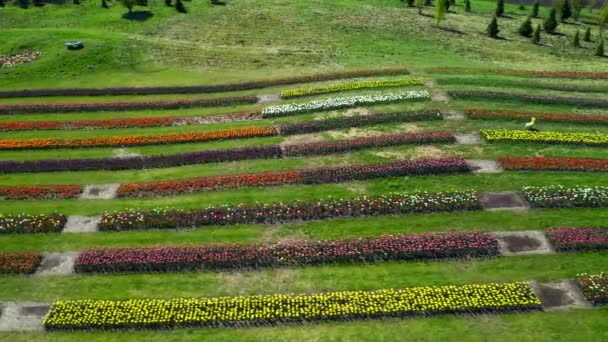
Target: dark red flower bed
40,192
529,73
201,89
594,287
393,204
19,262
238,256
558,117
127,122
553,163
68,107
578,238
321,148
562,100
29,224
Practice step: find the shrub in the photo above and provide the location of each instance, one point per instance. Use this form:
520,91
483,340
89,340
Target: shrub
594,287
467,5
565,10
561,197
587,35
492,29
285,308
500,8
179,7
19,262
576,40
550,24
578,238
536,35
534,13
525,29
30,224
599,50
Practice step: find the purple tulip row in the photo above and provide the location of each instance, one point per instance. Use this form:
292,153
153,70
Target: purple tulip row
238,256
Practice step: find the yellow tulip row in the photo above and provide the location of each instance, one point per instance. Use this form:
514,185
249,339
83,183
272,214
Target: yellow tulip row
243,310
350,86
546,137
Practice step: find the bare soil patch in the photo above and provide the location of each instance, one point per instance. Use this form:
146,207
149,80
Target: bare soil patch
99,191
523,242
484,166
354,133
507,200
22,316
302,139
81,224
57,263
560,295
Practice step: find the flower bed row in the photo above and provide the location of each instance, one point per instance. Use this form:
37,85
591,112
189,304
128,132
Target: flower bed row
40,192
539,99
202,89
127,122
529,73
213,156
553,163
566,239
69,107
29,224
561,197
138,140
332,88
238,256
508,114
266,213
19,262
7,61
305,176
341,102
577,138
289,308
594,287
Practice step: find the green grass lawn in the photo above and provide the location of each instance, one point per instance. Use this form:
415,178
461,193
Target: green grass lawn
253,40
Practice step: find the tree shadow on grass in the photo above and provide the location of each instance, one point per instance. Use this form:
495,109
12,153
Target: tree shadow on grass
452,30
138,15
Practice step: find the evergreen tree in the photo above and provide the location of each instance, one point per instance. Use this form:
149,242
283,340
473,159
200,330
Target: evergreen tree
534,13
104,4
492,29
467,5
536,35
500,8
550,23
565,11
599,50
576,42
587,35
526,29
179,6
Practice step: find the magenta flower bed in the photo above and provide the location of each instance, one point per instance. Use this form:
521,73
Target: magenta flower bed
578,238
237,256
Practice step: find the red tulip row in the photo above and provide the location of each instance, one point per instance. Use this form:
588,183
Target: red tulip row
19,262
127,122
306,176
238,256
553,163
557,117
40,192
577,239
69,107
527,73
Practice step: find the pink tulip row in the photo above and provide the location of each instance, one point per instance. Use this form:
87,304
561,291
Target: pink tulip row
579,238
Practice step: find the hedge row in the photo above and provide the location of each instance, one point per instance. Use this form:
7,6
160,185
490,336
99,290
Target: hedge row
19,262
576,138
553,163
557,117
69,107
425,246
567,239
538,99
29,224
529,73
265,213
562,197
289,308
304,176
202,89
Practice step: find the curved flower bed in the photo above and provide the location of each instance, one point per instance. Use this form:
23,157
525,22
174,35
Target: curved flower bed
262,213
561,100
19,262
40,192
529,73
138,140
561,197
332,88
306,176
341,102
589,139
557,117
340,146
29,224
238,256
202,89
68,107
594,287
553,163
128,122
578,239
286,308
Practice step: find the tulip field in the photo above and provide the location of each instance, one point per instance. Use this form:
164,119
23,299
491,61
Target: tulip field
300,171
